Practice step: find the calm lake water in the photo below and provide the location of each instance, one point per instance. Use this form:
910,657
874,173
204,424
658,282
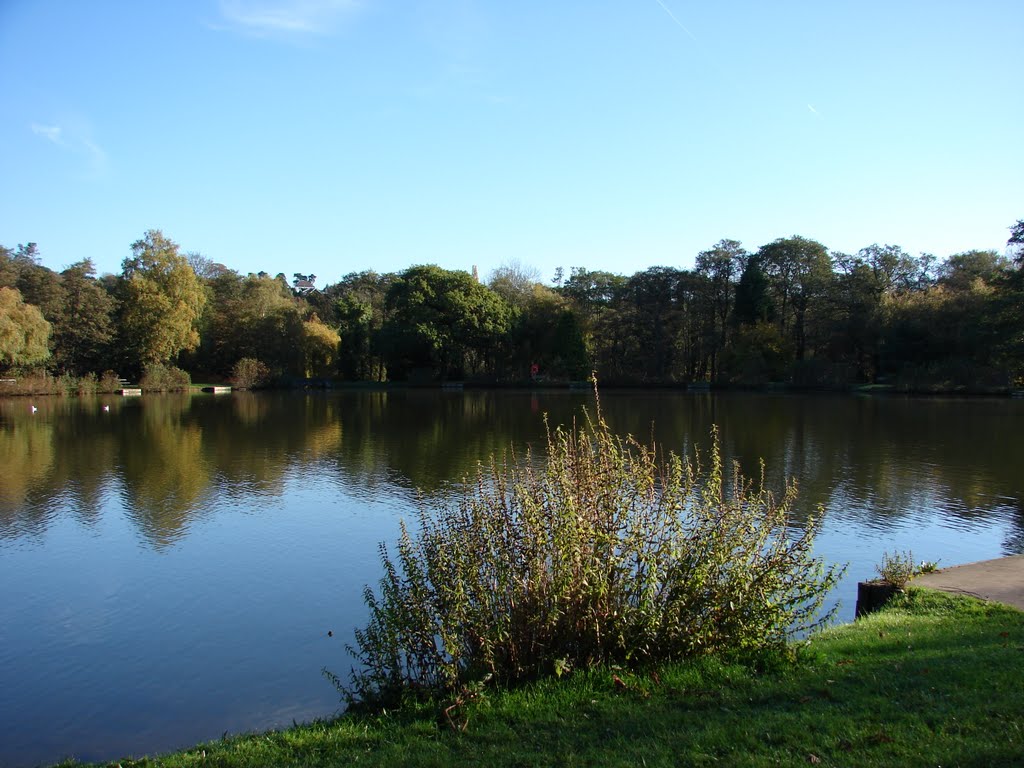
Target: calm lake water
170,567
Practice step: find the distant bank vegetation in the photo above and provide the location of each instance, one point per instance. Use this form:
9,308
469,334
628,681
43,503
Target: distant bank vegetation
790,312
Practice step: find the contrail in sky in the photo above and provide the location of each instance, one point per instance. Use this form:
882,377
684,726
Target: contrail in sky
677,21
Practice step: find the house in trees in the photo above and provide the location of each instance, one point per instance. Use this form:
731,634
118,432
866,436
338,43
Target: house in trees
303,284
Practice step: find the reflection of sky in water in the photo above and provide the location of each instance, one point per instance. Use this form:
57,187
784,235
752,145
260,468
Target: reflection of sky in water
172,572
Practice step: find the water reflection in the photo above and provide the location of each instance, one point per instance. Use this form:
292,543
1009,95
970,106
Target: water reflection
26,453
172,564
872,461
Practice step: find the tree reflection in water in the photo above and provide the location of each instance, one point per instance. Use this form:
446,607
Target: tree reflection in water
870,461
179,560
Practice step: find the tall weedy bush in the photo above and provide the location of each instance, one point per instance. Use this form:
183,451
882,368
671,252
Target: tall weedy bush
157,377
603,552
248,373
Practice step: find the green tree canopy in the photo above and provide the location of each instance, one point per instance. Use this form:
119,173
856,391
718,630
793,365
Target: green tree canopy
656,318
82,336
514,282
358,301
799,271
162,300
960,270
38,285
548,334
1016,243
721,266
8,268
24,332
443,320
253,317
753,301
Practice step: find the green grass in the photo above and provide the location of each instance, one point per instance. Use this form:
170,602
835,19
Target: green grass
931,680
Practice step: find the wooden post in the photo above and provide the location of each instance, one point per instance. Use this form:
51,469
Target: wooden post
872,595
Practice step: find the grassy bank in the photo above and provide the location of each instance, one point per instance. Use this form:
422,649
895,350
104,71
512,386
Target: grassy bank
931,680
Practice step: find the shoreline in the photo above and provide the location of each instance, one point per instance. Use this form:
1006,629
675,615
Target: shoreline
301,385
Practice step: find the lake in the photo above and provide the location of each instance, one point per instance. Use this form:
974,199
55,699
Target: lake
171,567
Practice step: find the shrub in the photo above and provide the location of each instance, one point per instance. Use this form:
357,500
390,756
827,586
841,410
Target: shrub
605,552
66,384
86,385
34,381
109,382
897,569
248,373
161,378
40,382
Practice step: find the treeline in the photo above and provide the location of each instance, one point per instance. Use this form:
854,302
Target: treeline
790,311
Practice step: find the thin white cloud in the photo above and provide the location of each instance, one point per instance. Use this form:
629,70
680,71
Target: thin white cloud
265,18
95,152
76,139
815,112
50,132
676,20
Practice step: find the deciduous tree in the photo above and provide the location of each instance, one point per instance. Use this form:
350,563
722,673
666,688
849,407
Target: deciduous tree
799,272
359,300
443,320
1016,243
254,317
162,300
657,323
514,282
82,337
721,267
24,332
960,270
320,348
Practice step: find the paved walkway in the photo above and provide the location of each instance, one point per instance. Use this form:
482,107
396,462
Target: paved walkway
1000,580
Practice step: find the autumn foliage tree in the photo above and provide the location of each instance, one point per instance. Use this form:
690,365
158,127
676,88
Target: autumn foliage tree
24,332
161,301
789,312
320,348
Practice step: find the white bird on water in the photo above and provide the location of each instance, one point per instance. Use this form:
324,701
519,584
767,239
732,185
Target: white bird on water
106,407
34,409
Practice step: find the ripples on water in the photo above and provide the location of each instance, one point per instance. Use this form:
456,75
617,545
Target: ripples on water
171,567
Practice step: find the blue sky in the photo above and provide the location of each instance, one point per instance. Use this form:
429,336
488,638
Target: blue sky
331,136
